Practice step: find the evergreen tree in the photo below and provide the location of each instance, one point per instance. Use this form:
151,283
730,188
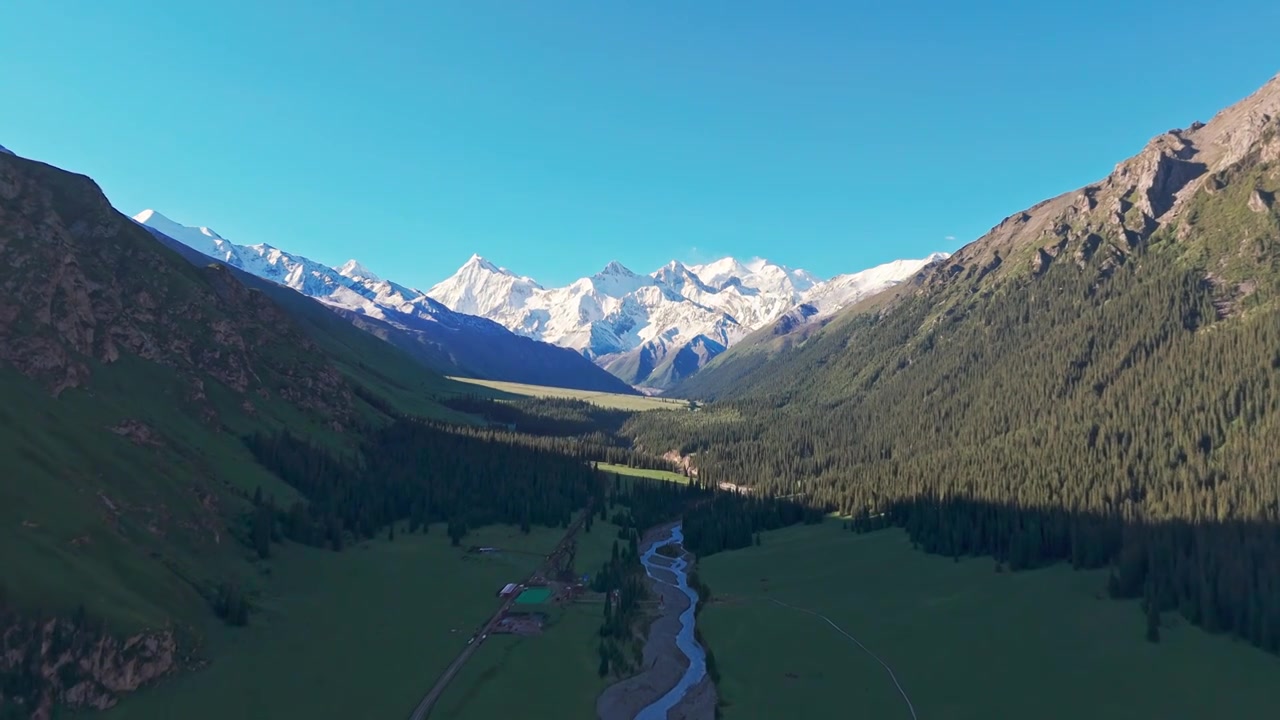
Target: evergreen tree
262,530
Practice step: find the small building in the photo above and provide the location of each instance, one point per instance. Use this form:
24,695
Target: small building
507,589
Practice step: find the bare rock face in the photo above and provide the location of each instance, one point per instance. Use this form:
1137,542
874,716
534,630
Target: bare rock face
1261,201
138,433
76,664
1106,221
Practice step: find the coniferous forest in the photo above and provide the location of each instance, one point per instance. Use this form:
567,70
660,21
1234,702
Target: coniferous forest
421,473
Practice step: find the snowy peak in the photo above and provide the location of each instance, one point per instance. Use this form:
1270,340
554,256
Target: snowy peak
757,274
154,219
676,276
615,269
479,264
844,290
481,288
628,323
717,273
354,270
615,281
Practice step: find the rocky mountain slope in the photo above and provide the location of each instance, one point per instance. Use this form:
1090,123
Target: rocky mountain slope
1096,381
68,307
1162,192
654,330
446,341
128,377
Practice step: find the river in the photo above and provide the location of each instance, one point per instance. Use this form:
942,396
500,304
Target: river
684,639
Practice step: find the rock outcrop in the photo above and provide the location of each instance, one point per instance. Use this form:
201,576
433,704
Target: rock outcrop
1107,220
74,663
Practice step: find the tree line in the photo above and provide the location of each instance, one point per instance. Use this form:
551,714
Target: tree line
419,473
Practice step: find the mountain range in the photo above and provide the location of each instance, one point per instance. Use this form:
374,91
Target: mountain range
446,341
654,330
649,331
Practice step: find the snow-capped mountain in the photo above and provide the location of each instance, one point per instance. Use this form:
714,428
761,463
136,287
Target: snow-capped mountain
648,330
651,330
844,290
449,341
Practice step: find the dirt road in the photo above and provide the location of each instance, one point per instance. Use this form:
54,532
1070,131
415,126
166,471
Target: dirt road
424,708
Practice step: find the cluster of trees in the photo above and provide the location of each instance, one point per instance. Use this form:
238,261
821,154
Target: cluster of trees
1106,413
622,579
730,520
713,520
559,417
421,473
230,604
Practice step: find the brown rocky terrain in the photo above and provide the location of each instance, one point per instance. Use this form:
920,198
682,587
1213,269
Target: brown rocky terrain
73,662
1144,193
82,284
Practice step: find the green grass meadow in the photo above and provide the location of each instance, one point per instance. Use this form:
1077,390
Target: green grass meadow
362,633
965,642
612,401
666,475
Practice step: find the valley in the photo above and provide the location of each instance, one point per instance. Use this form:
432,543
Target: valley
1033,475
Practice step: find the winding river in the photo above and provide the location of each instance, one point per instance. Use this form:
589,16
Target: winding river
684,639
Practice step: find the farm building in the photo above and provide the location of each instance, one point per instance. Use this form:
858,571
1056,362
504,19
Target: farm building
507,589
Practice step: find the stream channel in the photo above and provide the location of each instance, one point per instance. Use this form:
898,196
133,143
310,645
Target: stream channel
677,567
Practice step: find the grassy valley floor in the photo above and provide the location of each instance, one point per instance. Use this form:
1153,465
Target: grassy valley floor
964,641
612,401
667,475
361,633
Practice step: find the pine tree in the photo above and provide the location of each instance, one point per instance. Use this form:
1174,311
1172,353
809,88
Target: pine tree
262,522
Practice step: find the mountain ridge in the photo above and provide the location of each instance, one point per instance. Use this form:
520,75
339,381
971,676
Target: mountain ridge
1105,224
630,323
445,341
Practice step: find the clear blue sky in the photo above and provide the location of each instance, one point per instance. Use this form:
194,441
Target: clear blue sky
552,137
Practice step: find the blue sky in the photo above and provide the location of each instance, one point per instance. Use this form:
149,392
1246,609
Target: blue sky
552,137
